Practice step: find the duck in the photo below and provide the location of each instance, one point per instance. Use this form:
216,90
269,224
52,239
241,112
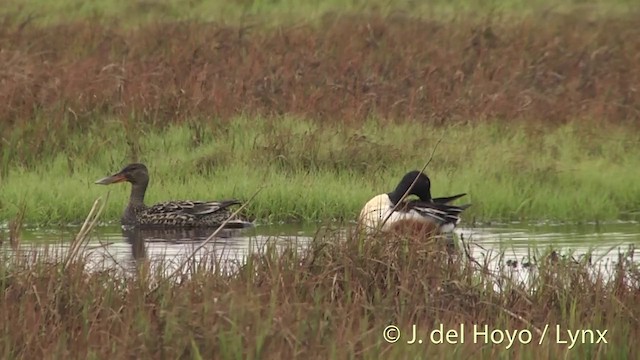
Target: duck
436,216
170,214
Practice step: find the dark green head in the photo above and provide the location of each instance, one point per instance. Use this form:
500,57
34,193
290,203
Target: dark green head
421,188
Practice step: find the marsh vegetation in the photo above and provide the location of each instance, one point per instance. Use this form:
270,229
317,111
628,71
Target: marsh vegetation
532,111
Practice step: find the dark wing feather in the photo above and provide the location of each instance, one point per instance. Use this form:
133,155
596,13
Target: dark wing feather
443,213
448,199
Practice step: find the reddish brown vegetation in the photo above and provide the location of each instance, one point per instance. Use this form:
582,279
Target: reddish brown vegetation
346,69
331,301
413,229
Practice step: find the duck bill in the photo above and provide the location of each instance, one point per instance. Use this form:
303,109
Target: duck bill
111,179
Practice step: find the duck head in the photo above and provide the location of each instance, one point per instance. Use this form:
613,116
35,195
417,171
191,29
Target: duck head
421,188
136,174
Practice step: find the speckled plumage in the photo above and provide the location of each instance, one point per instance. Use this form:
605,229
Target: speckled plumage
171,214
181,213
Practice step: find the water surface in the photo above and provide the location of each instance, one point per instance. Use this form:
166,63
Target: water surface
513,245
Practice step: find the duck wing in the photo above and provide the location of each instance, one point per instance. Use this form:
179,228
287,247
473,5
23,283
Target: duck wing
447,199
190,208
442,213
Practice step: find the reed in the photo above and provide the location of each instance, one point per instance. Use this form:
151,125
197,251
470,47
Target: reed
332,299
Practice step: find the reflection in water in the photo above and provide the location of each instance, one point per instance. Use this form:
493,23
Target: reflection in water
515,250
510,246
138,249
170,248
139,237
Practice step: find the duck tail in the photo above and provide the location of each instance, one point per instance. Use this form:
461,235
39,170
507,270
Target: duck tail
238,224
447,199
463,207
227,203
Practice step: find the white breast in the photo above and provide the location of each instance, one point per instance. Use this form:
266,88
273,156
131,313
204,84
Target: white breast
376,210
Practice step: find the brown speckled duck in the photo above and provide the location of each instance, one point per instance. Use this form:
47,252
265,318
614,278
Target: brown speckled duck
170,214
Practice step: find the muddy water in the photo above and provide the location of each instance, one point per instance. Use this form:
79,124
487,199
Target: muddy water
512,246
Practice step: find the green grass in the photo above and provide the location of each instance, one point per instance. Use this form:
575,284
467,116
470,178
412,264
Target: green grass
331,301
579,171
277,11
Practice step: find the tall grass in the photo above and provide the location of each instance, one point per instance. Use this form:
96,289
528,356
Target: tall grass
332,300
542,68
281,11
312,172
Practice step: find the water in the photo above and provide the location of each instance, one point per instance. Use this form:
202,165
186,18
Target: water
518,243
514,247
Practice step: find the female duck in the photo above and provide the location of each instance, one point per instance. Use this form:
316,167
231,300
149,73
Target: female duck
173,214
435,215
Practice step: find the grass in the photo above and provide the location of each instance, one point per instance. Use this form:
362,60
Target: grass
537,127
311,172
285,11
332,300
72,76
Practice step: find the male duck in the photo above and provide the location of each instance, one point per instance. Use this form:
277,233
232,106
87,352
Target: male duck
436,215
172,214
